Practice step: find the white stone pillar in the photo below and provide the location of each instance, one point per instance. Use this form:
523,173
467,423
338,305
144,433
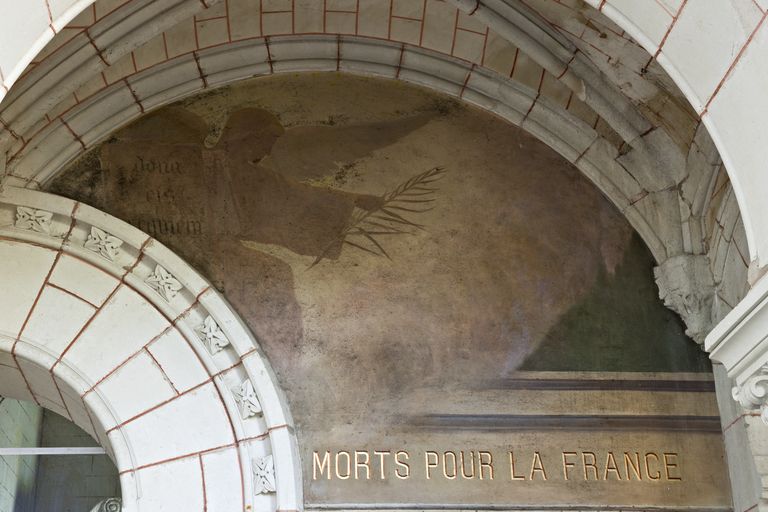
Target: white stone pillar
738,346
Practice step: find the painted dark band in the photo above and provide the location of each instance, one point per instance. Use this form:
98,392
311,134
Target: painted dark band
566,422
679,386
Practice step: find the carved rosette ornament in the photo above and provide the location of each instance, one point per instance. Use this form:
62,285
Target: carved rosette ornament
109,505
753,394
164,283
246,399
103,243
212,336
264,475
33,220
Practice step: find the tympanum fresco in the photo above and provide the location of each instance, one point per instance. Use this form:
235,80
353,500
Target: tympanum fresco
422,276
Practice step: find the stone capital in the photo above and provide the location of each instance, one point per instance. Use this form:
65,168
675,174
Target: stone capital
740,343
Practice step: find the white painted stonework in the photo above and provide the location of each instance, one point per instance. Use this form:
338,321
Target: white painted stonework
90,304
90,338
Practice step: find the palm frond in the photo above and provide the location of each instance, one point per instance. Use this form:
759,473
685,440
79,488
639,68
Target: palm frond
413,196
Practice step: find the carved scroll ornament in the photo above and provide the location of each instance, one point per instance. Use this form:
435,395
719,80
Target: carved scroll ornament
753,394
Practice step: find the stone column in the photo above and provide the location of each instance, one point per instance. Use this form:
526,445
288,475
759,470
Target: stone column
738,346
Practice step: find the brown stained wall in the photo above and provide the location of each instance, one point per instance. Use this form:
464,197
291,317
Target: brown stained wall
398,256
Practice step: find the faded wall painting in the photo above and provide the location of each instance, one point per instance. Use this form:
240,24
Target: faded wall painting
456,314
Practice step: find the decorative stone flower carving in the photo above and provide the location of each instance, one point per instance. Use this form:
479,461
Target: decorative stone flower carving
33,220
246,399
212,336
109,505
103,243
164,283
264,475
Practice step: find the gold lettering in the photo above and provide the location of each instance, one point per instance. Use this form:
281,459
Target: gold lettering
648,468
670,464
471,465
321,465
430,465
487,464
537,466
402,464
589,465
628,463
349,465
364,464
453,464
381,454
567,465
512,474
610,465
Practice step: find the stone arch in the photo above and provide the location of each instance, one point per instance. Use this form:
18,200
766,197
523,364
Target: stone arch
107,327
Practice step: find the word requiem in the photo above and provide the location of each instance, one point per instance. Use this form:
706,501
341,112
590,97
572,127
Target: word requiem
483,465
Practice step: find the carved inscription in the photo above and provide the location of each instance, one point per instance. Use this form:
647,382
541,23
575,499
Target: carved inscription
629,466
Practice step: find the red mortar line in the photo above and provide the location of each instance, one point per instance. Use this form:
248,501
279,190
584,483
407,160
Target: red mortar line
50,17
106,301
56,259
455,27
407,18
669,29
567,65
7,128
466,80
250,38
200,69
72,294
400,61
171,325
423,23
538,93
666,9
194,27
229,25
209,380
741,255
325,14
162,370
235,444
470,31
76,136
733,64
757,6
514,63
93,43
63,402
357,17
339,11
133,94
739,417
165,46
269,55
202,476
751,508
126,361
338,53
200,20
485,45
